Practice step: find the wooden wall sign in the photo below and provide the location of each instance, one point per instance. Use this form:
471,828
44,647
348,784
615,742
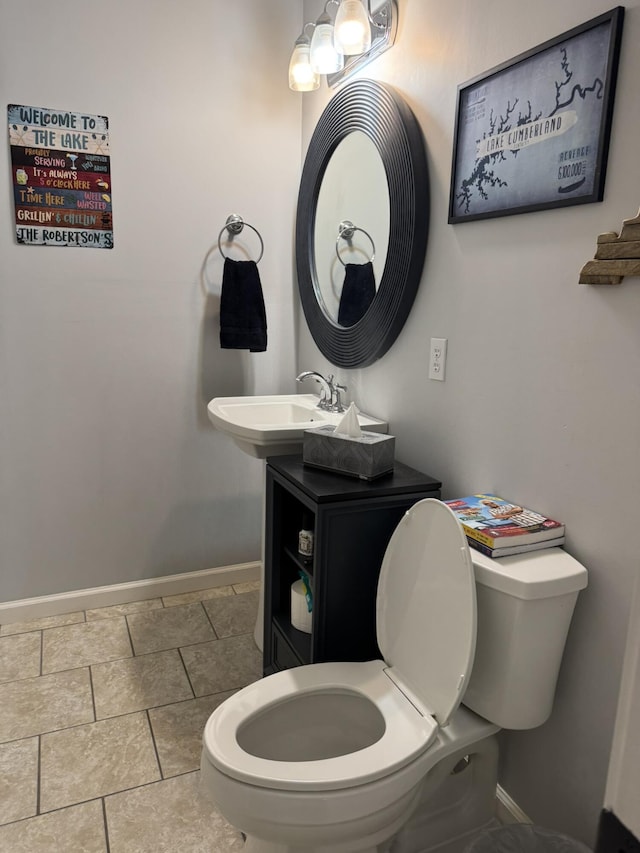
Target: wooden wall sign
61,172
616,256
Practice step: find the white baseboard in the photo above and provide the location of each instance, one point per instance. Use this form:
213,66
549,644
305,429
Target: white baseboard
507,810
26,609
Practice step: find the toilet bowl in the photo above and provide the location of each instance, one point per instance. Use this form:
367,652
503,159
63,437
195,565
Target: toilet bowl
336,756
331,758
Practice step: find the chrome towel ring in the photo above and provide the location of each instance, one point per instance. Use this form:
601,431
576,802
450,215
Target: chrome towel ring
346,230
234,226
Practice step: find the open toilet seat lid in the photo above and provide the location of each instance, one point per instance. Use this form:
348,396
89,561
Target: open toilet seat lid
426,608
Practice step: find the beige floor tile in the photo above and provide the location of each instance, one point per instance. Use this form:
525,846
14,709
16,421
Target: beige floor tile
246,586
20,656
133,684
168,816
177,730
39,624
236,615
79,829
169,628
124,609
45,704
18,779
90,761
223,664
81,645
198,595
81,760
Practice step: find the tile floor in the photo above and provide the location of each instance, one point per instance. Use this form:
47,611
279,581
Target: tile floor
101,719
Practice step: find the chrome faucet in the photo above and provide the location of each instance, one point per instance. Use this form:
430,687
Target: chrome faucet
329,391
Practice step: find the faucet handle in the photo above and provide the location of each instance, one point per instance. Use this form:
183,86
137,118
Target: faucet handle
336,402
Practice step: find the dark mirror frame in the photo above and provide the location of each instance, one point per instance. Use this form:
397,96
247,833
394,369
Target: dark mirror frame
380,112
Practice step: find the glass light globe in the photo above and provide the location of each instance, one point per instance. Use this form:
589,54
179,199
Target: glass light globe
352,28
302,77
326,56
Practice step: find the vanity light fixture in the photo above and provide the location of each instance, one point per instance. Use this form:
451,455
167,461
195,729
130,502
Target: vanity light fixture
361,31
327,55
302,76
353,31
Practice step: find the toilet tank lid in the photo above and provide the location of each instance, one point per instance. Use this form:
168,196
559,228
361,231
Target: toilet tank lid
535,574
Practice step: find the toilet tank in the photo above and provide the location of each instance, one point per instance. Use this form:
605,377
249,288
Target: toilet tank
525,604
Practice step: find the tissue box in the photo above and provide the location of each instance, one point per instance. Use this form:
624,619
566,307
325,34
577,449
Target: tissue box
369,456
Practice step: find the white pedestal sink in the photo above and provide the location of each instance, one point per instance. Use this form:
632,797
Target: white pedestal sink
273,426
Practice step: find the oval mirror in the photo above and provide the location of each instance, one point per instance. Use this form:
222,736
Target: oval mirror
365,167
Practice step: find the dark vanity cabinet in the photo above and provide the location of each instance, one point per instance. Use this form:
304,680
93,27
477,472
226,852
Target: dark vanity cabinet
352,521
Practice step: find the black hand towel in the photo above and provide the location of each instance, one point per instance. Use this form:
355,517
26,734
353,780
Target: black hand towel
358,292
243,320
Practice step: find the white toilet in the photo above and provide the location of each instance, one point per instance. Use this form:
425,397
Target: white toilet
335,757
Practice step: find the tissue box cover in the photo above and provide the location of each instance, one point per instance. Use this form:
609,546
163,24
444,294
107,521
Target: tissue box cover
369,456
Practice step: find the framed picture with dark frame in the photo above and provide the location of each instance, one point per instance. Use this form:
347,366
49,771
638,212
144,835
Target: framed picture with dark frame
533,133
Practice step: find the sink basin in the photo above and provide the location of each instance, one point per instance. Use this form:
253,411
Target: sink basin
273,425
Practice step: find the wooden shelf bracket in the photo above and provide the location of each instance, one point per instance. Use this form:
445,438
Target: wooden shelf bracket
616,256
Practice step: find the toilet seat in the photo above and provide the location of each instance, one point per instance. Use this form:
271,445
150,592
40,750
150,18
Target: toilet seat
407,732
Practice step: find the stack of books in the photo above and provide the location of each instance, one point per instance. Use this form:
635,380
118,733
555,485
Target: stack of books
499,528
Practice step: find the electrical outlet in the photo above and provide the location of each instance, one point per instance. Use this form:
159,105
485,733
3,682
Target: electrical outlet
437,358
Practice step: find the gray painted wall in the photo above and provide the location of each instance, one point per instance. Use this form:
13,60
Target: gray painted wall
541,401
623,780
109,468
